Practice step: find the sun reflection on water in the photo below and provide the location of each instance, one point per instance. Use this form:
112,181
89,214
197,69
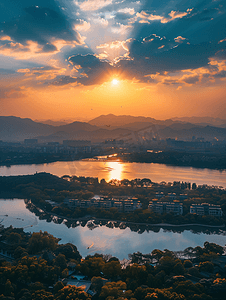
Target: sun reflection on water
115,170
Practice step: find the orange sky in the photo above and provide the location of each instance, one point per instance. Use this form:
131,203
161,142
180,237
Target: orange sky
168,61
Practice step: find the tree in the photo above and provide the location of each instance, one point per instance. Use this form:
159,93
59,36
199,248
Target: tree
157,254
187,263
187,288
9,290
113,290
41,241
212,247
58,286
163,294
20,252
112,269
71,292
60,261
69,250
14,238
206,266
178,269
42,295
167,263
92,266
97,283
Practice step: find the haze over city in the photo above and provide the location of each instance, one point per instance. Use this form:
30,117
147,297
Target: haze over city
80,59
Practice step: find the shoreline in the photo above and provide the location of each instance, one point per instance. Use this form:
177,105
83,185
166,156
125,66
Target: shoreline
161,225
2,165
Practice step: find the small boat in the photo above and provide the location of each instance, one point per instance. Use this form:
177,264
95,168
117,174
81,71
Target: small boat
90,246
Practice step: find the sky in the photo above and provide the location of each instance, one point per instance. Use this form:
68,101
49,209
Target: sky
78,59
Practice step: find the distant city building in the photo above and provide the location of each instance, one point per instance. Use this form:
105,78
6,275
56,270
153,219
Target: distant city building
77,146
30,141
206,209
76,143
166,207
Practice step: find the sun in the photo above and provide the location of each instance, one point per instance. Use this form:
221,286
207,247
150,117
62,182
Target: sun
115,82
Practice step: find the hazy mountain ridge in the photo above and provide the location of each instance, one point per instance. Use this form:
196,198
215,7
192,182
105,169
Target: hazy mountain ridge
112,120
204,121
18,129
14,128
208,132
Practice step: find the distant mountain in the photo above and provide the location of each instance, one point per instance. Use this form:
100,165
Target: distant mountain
17,129
208,132
76,126
51,122
115,127
204,121
95,136
112,120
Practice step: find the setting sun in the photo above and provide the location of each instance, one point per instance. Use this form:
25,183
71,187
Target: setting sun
115,82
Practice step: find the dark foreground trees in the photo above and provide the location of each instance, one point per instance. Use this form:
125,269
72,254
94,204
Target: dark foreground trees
40,264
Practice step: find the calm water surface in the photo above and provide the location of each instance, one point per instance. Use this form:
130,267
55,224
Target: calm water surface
114,241
119,170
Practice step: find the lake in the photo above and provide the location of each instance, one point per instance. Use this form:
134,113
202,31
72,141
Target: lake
120,170
114,241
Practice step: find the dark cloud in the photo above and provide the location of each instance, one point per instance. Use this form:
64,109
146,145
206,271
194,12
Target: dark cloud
185,35
221,74
191,79
49,48
149,57
6,71
122,17
93,70
222,53
205,22
63,80
154,54
39,23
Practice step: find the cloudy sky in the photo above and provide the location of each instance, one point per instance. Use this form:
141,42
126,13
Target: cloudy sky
79,59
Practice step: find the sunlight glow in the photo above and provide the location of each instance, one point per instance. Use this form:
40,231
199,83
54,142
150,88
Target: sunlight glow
115,82
115,170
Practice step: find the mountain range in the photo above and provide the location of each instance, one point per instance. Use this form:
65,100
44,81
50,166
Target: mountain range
110,127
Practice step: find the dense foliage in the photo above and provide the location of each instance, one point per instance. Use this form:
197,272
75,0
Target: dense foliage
36,273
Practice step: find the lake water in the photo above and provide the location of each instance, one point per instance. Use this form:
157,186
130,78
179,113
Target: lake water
120,170
114,241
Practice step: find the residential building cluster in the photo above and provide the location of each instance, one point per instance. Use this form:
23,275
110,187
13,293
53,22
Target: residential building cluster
166,207
176,208
169,204
123,204
206,209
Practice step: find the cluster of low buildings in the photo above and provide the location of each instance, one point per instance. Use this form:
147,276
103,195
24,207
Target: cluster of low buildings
206,209
176,208
166,207
170,203
36,146
123,204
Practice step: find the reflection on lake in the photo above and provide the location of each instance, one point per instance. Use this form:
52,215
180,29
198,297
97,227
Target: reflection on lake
120,170
115,241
